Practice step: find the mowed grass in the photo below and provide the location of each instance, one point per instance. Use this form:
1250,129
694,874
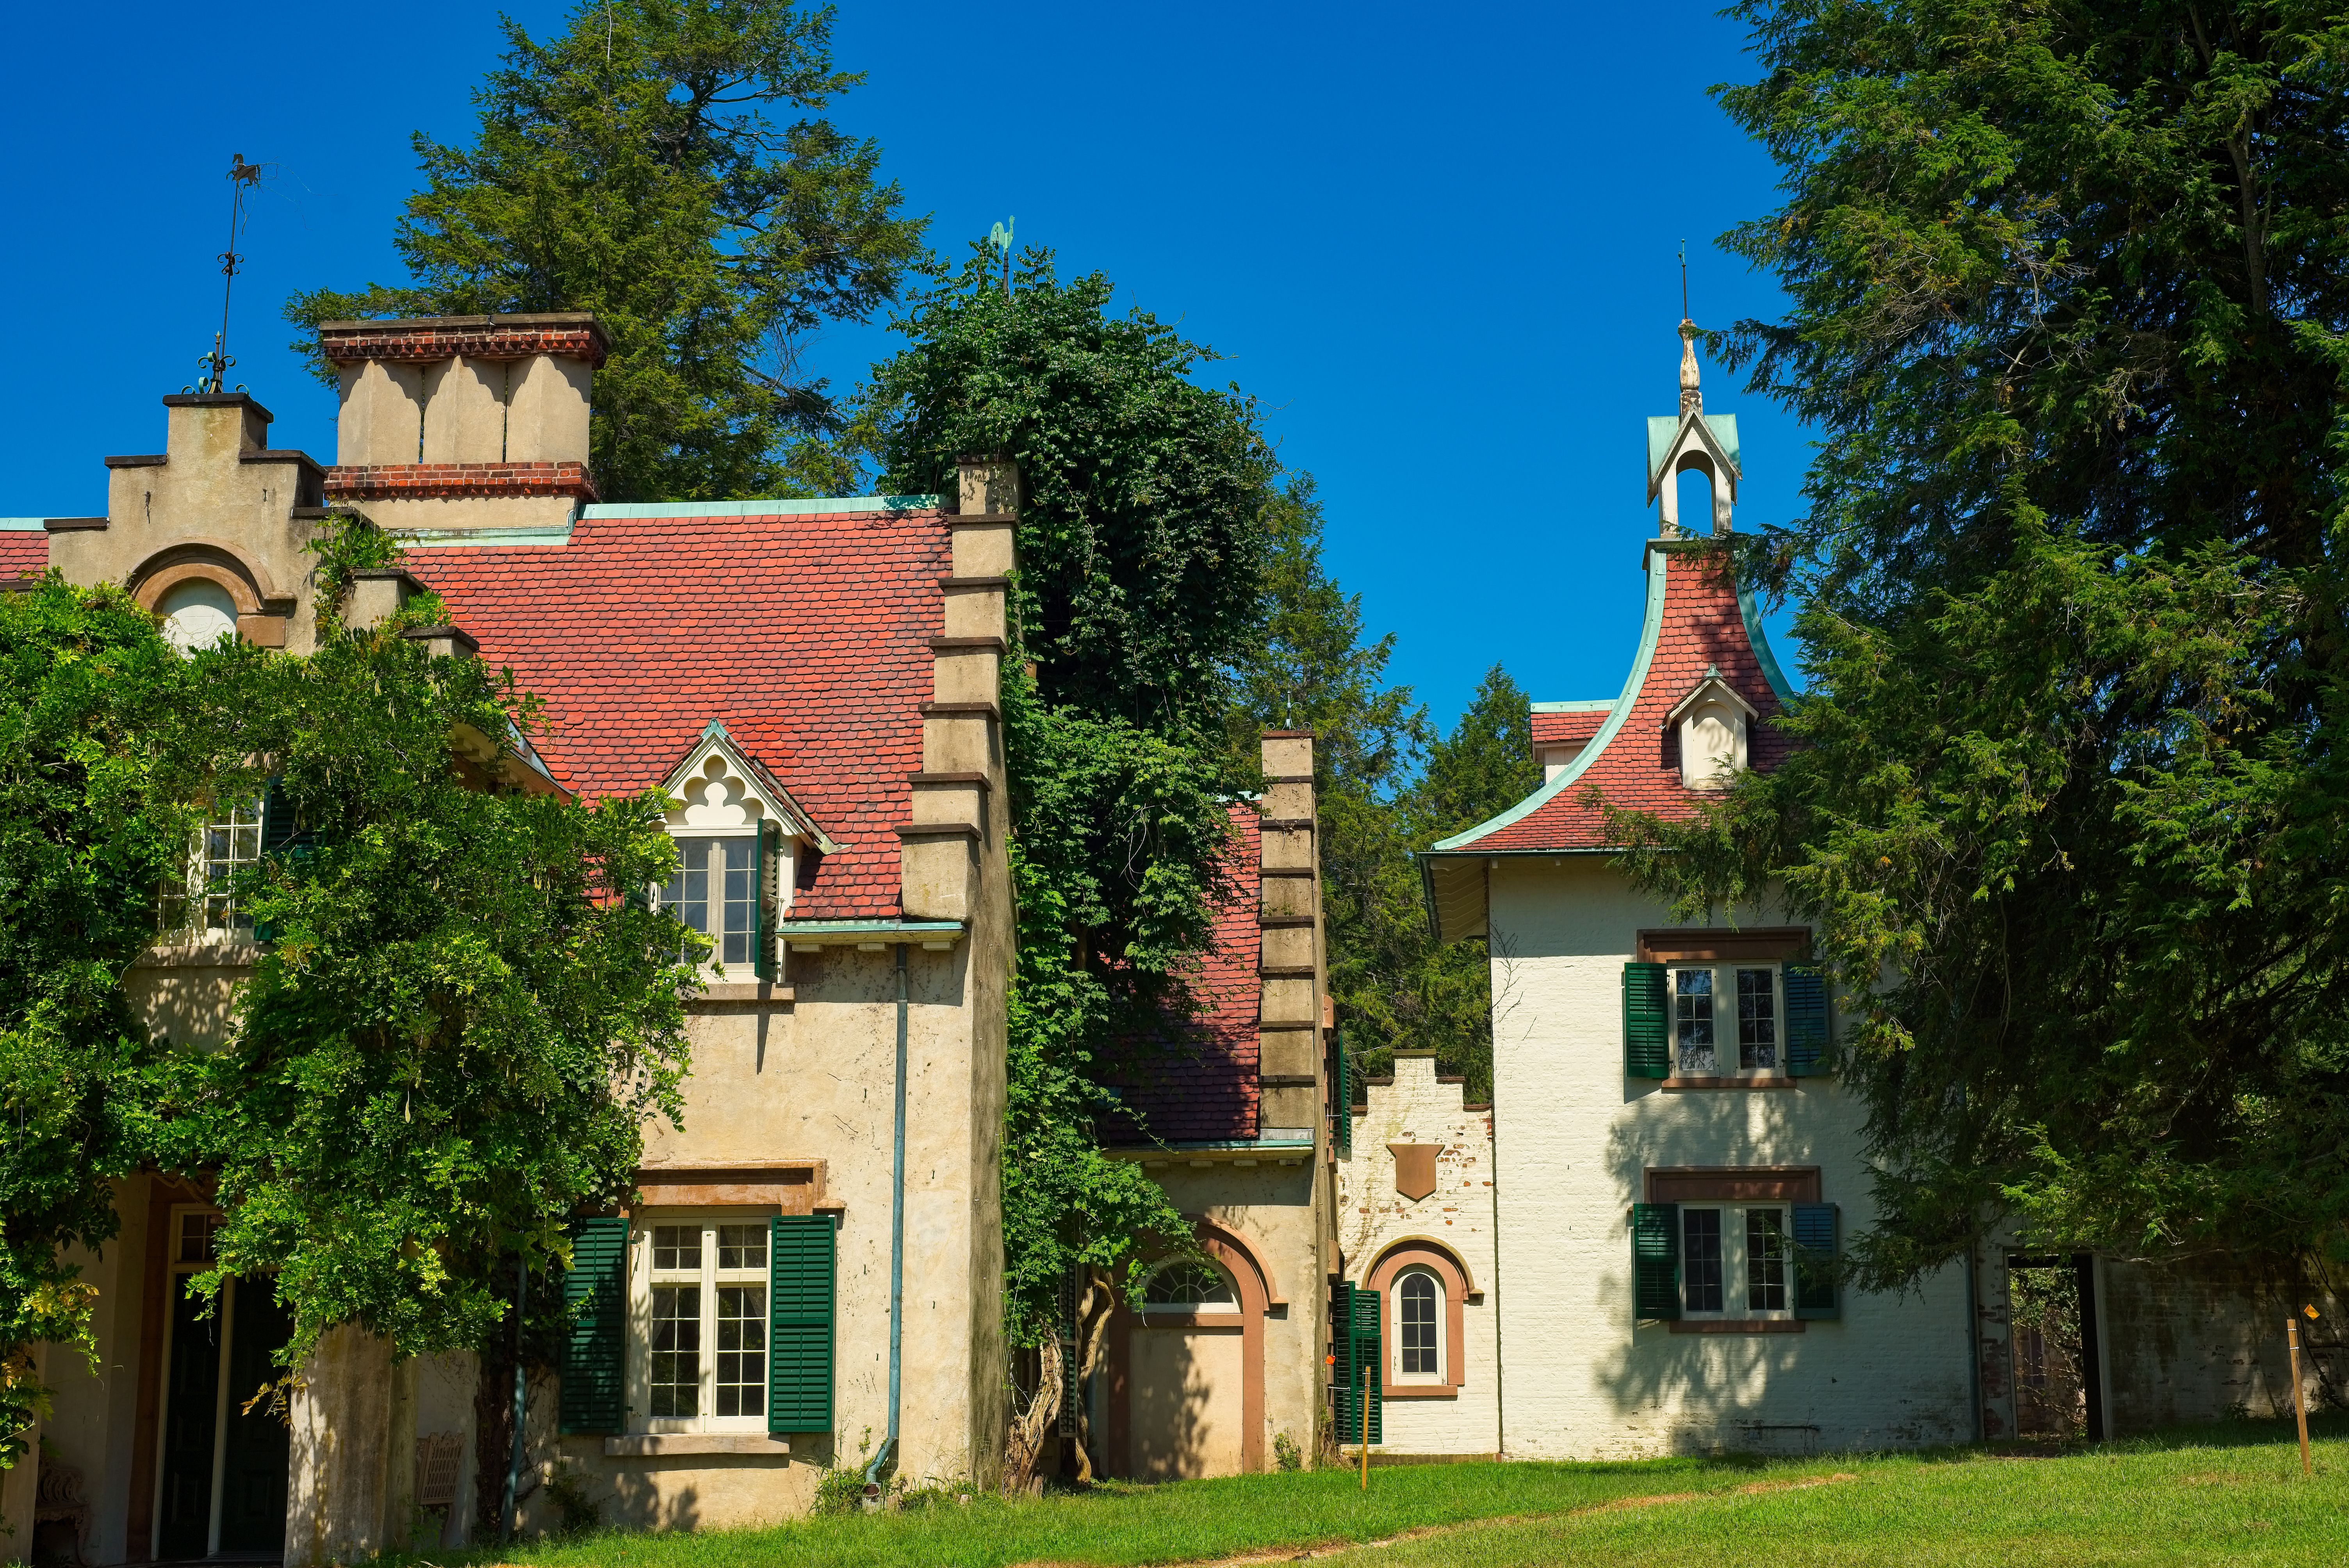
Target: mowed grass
2232,1495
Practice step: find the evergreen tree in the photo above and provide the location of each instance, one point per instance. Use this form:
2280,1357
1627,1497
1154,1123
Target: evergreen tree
628,167
2070,312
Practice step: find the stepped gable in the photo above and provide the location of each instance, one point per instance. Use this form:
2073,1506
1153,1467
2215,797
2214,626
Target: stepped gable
1204,1087
23,553
1697,622
806,633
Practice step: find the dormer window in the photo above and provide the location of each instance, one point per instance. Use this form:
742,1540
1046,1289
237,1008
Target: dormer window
1712,722
739,838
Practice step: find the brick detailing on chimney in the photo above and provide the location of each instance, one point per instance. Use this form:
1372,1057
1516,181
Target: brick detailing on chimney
569,335
450,482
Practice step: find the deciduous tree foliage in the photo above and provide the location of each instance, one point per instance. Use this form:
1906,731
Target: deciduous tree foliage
1141,551
99,772
2068,290
630,167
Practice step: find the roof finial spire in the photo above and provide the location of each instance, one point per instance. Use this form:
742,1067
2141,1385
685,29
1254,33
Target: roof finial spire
1691,397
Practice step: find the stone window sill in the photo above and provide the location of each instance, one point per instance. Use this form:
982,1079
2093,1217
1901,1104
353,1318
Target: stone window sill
742,991
661,1445
1738,1325
1755,1081
1422,1391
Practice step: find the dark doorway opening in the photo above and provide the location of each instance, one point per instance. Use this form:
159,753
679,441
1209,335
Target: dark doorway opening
2052,1314
224,1466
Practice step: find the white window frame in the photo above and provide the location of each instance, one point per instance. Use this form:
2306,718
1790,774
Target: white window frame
1202,1308
1442,1323
1728,1048
717,838
708,1277
203,911
1736,1262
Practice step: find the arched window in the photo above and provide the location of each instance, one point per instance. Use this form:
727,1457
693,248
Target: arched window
1419,1324
1190,1286
196,614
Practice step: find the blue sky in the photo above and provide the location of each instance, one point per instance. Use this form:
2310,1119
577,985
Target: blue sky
1438,245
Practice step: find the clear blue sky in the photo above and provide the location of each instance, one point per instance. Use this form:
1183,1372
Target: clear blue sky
1438,244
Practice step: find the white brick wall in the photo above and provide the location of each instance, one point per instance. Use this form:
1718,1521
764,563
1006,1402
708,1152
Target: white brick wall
1573,1138
1371,1215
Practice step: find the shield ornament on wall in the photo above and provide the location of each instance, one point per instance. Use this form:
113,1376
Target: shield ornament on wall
1415,1169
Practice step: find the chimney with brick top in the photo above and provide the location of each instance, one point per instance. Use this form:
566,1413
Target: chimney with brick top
464,422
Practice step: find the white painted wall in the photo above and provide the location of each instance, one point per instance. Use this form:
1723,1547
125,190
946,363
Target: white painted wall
1372,1216
1573,1139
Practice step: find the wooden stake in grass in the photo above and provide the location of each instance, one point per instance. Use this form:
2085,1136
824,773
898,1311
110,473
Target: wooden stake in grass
2299,1404
1365,1397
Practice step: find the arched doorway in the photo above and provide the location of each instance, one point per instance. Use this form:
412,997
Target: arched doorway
1186,1372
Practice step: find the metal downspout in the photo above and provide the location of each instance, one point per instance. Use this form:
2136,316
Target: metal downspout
1973,1342
888,1448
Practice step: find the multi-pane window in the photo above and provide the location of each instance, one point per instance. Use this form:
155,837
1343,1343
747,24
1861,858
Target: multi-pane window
1765,1261
1700,1260
715,890
1757,1020
1718,1245
1418,1303
704,1312
229,840
1703,997
1693,1020
1190,1286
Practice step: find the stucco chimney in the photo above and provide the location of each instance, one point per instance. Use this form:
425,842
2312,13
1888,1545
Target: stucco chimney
465,422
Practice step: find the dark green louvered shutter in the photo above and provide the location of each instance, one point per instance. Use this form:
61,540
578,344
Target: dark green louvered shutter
1343,1091
1806,1020
1647,1021
276,818
1817,1247
1655,1261
1354,1319
763,861
594,1350
799,1265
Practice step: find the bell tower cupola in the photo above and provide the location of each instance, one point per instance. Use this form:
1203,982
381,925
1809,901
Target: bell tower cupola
1693,440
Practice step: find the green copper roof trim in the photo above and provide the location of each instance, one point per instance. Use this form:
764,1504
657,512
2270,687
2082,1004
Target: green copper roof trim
22,524
460,537
1663,429
781,506
1592,705
1752,615
1648,631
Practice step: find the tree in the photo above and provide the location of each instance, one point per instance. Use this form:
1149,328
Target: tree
462,1014
2069,287
1141,551
629,167
99,775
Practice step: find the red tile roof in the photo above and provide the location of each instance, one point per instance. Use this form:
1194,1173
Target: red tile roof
1566,728
806,635
1703,627
1204,1087
23,554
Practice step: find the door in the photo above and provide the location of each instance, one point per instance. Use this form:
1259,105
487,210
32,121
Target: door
1186,1410
223,1470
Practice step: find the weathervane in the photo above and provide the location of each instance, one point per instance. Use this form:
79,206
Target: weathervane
1001,238
242,177
1684,309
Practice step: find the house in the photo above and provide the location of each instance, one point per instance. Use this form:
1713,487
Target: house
1672,1157
814,683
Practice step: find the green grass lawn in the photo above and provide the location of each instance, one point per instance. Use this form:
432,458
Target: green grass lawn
2226,1494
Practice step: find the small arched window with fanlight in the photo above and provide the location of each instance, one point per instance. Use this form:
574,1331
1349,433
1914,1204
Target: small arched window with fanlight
1190,1284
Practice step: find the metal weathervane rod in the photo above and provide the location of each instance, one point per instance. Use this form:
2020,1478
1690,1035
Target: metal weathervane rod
242,177
1684,309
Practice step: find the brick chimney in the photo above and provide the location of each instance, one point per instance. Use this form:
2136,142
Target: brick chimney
464,422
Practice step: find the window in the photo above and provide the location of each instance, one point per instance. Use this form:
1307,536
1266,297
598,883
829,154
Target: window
703,1304
1419,1312
715,890
228,842
1190,1286
1698,1051
1721,1244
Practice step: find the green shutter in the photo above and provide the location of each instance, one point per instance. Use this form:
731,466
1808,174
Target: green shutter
800,1270
762,861
1647,1022
596,1292
1816,1248
1354,1320
1806,1020
1655,1261
1343,1091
